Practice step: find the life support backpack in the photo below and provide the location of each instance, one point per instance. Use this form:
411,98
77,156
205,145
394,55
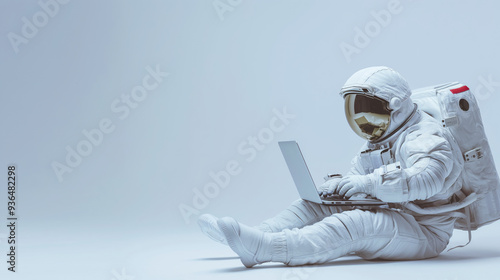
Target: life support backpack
455,107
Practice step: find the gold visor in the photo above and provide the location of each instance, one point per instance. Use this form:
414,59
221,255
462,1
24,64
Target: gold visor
368,116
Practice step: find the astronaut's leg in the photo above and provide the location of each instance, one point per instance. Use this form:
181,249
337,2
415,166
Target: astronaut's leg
299,214
381,233
418,237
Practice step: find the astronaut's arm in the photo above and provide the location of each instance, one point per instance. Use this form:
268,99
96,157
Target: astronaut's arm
429,160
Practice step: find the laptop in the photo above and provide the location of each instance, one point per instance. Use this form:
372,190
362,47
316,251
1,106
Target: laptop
305,183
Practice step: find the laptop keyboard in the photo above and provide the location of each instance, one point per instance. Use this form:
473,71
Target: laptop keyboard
333,197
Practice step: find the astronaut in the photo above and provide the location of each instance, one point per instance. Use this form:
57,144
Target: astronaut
408,160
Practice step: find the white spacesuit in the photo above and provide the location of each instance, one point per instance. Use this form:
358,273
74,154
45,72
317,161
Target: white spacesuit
408,160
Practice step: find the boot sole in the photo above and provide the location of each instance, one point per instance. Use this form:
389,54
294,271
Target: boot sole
206,228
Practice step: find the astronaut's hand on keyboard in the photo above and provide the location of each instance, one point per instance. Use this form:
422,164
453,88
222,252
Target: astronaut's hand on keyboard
354,185
329,187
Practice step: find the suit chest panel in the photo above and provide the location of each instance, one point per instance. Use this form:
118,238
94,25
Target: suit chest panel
372,159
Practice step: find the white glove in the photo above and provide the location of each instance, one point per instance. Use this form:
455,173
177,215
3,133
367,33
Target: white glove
329,187
355,184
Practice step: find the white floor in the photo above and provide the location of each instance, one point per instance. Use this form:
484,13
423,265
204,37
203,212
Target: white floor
143,256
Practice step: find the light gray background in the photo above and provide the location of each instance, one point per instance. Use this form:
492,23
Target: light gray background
226,76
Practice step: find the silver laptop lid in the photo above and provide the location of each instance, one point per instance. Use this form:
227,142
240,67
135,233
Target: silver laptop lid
299,171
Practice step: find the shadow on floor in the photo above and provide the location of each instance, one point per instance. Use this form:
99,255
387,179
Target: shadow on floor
346,261
456,255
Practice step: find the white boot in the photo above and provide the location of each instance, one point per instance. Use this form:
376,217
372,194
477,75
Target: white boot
252,245
208,225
